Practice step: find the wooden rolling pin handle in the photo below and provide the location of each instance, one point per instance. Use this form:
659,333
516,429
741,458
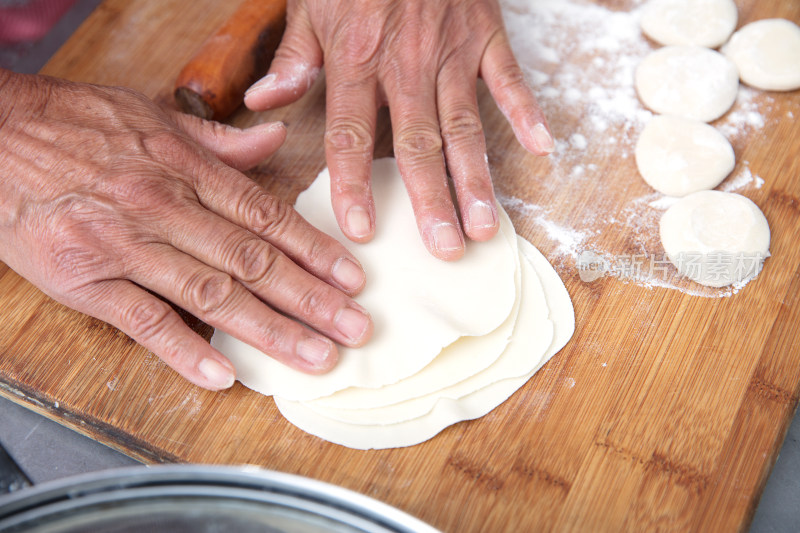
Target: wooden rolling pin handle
212,84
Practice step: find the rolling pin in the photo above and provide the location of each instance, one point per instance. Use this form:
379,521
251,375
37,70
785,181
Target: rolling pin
213,82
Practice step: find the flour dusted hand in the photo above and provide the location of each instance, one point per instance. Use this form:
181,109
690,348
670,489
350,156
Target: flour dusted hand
421,58
107,199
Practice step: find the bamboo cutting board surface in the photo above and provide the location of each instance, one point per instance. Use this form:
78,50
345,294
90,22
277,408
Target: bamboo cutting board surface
665,411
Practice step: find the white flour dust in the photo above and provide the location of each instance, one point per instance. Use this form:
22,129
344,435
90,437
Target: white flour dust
581,58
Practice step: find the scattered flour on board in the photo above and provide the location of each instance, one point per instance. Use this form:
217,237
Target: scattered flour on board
580,58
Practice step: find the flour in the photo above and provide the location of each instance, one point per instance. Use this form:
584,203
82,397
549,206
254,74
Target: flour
568,240
747,115
742,180
580,58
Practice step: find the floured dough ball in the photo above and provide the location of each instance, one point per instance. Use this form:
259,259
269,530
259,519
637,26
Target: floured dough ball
767,54
706,23
688,81
678,156
715,238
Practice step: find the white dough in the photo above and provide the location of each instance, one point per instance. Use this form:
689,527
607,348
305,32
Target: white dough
767,54
452,340
419,304
447,411
687,81
715,238
706,23
464,358
533,330
678,156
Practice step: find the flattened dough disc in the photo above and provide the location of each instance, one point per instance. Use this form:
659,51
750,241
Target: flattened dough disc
715,238
418,303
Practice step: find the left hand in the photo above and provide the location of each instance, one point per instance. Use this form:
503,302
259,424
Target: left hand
422,59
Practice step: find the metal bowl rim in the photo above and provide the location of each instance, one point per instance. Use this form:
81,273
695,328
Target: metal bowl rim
249,477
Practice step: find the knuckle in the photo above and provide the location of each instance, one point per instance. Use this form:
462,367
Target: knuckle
352,187
147,318
277,269
72,258
276,336
511,78
177,352
72,250
265,214
317,253
250,261
209,292
312,301
348,136
419,143
361,48
461,124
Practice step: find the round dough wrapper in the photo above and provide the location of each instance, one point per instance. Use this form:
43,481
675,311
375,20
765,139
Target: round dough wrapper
687,81
447,411
767,54
707,23
532,330
678,156
715,238
446,369
419,304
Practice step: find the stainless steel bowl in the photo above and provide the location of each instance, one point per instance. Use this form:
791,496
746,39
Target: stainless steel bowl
197,499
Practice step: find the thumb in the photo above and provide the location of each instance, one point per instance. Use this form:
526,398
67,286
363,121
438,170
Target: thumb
296,65
237,148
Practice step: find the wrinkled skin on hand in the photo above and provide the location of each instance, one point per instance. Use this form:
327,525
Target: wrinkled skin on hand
421,58
107,200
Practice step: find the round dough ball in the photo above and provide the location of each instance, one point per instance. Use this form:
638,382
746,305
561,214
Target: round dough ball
688,81
715,238
706,23
767,54
678,156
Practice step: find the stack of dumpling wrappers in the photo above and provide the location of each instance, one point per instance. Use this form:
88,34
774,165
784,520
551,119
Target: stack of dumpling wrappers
451,341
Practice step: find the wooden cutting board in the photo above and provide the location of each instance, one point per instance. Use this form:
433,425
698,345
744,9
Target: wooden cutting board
666,411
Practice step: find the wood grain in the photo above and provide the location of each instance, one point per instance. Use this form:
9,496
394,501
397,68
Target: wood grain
665,412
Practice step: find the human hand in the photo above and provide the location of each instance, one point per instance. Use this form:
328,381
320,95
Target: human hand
422,58
107,199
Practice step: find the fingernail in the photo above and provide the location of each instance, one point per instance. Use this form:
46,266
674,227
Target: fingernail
543,139
357,222
481,215
447,238
264,83
348,275
217,374
313,351
351,323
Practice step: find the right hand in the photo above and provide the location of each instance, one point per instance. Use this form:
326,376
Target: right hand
422,59
106,199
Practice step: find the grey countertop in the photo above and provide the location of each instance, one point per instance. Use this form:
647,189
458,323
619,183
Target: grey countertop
46,450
